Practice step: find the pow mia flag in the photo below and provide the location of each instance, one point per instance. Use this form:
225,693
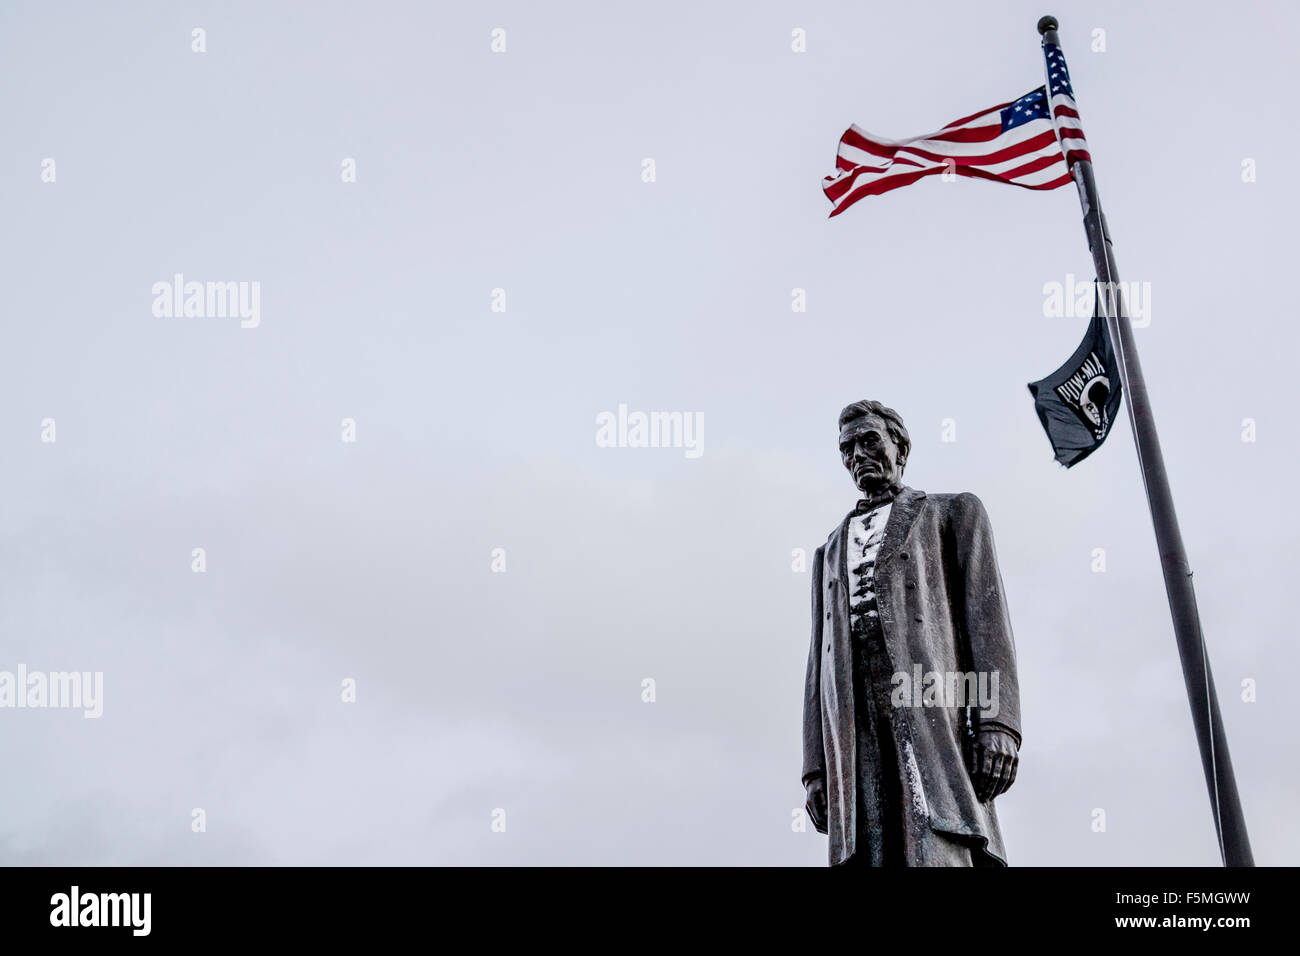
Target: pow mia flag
1079,401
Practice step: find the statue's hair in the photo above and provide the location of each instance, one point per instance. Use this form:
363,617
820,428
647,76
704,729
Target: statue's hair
893,423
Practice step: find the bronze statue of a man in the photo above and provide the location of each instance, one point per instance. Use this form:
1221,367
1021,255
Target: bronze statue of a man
911,720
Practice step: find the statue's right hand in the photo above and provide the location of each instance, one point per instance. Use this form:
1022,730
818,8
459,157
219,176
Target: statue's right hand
816,803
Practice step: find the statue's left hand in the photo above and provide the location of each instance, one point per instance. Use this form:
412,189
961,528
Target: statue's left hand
995,757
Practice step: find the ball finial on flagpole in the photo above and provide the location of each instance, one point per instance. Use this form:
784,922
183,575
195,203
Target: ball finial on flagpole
1047,23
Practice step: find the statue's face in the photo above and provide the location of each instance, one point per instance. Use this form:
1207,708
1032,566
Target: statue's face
869,453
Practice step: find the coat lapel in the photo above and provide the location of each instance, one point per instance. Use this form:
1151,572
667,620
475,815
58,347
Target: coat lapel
902,514
907,505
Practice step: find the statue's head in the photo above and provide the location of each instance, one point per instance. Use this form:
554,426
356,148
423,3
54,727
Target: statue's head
873,445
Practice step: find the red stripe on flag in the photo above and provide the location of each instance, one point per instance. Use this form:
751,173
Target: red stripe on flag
1042,162
896,182
966,119
852,137
1056,183
884,186
1030,145
970,134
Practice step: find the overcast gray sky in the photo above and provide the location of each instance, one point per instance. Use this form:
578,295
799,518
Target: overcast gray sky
475,429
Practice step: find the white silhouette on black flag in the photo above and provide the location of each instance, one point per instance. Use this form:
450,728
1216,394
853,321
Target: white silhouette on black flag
1077,403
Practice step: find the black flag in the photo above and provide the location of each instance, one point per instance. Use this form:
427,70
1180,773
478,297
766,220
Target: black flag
1078,402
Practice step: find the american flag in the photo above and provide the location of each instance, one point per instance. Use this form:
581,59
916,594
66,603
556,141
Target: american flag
1060,96
1014,142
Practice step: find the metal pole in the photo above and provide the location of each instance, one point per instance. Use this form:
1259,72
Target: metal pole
1230,824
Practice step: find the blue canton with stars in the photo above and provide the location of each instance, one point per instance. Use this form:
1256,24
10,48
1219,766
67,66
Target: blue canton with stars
1057,75
1031,106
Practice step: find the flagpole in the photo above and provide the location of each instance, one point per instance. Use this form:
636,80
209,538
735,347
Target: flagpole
1230,824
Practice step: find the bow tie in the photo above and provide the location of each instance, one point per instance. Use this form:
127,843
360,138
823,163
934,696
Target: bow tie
875,501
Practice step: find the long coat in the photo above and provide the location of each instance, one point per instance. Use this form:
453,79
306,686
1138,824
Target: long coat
941,604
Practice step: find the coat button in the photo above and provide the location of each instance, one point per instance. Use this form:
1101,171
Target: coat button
911,585
918,619
902,555
828,617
